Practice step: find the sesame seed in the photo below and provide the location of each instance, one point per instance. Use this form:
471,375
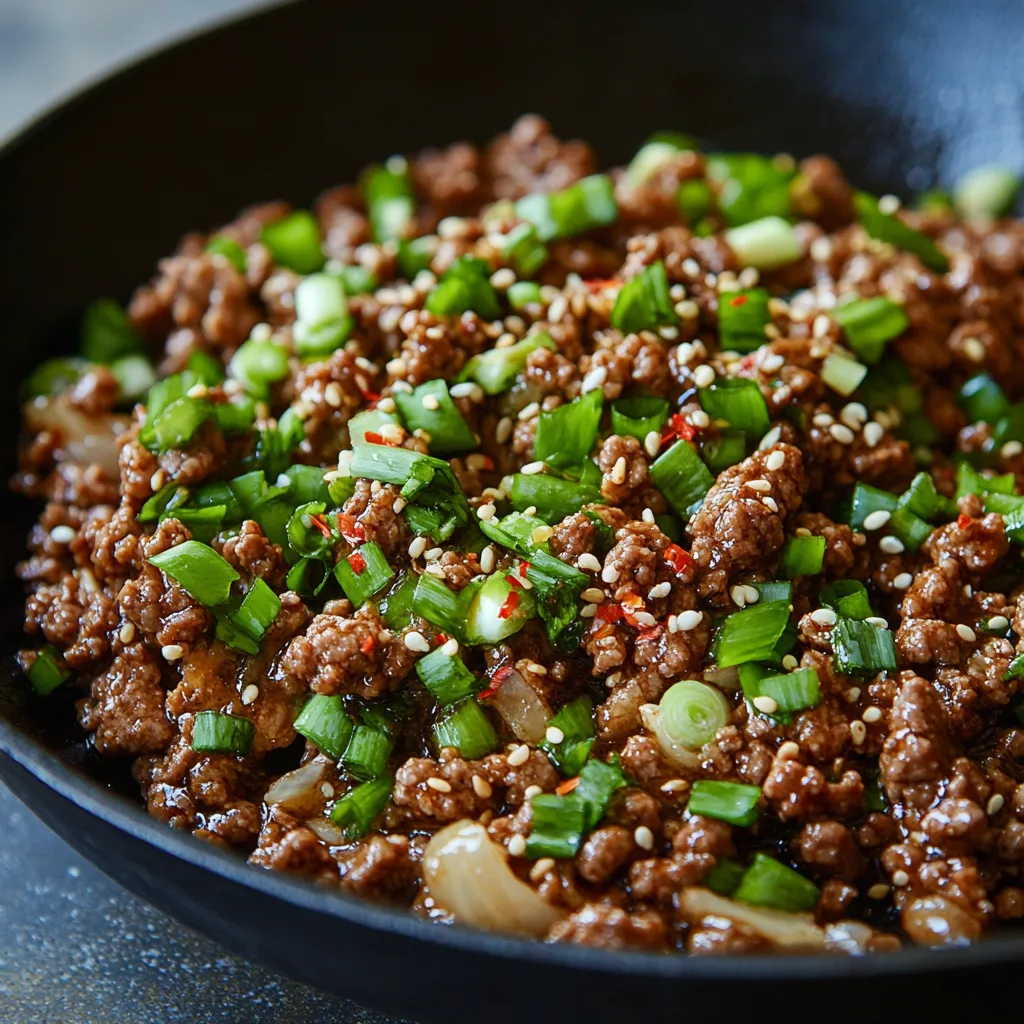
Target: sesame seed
250,693
738,595
519,755
440,785
534,467
659,590
594,594
503,431
430,402
648,517
481,787
645,619
700,419
387,404
391,432
788,751
397,505
966,633
333,395
517,846
487,560
854,415
554,734
853,694
158,479
998,623
610,573
824,617
873,433
891,545
968,590
652,442
384,636
858,732
1011,449
594,379
842,433
900,878
618,473
536,668
822,419
588,611
541,868
687,309
766,705
877,620
789,662
450,647
888,204
644,837
752,594
770,503
675,786
62,534
435,570
417,547
821,249
127,633
878,892
172,652
530,510
589,562
763,486
974,350
872,714
688,620
529,411
503,278
902,581
541,534
775,461
414,640
704,376
486,512
995,804
771,438
877,519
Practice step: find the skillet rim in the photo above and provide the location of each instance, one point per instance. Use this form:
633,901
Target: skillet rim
117,811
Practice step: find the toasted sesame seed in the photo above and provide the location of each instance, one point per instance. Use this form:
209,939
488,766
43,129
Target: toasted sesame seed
900,878
518,755
417,547
877,620
700,419
966,633
450,647
610,573
536,668
414,640
766,705
752,594
333,394
503,431
652,442
842,433
430,402
62,534
687,309
772,437
853,694
645,619
487,560
998,623
503,278
675,786
618,473
648,516
172,652
530,510
126,633
775,461
824,616
872,714
643,837
891,545
659,590
974,350
391,432
995,803
387,404
594,379
589,562
770,503
738,595
888,203
158,479
688,620
441,785
877,519
554,734
878,891
704,376
541,868
481,787
534,467
486,512
858,732
588,611
529,411
517,846
397,505
384,636
902,581
788,750
595,594
823,420
789,662
250,693
763,486
873,433
1011,449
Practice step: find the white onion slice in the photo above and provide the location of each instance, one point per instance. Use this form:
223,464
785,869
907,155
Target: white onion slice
299,791
676,753
468,875
790,931
327,831
84,439
522,708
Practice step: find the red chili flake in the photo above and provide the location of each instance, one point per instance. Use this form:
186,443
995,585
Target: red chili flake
368,644
748,361
372,437
605,629
357,562
596,284
441,638
523,566
510,605
609,612
565,788
738,300
495,684
350,528
633,602
680,560
487,462
650,632
963,520
372,397
677,427
513,582
320,523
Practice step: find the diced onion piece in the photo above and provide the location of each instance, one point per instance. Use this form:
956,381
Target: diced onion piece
765,244
468,875
842,374
525,713
299,791
937,921
850,937
986,192
790,931
328,832
680,756
726,678
84,439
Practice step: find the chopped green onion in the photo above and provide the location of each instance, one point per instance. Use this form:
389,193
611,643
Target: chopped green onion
922,499
107,333
750,186
306,483
867,500
681,477
637,417
765,244
258,364
751,633
134,375
357,279
556,590
792,691
986,192
464,286
430,407
970,481
325,723
983,400
523,248
842,374
773,590
357,809
692,713
170,495
175,425
643,302
322,322
910,529
236,415
869,323
934,200
694,199
258,610
740,403
415,255
363,573
467,728
802,556
848,598
599,780
54,376
1015,670
367,752
199,570
396,607
724,877
389,199
226,246
496,610
742,318
861,647
725,450
887,227
576,724
588,204
496,370
769,883
47,670
446,677
216,733
654,154
733,802
294,242
553,498
203,523
433,601
522,294
557,826
569,431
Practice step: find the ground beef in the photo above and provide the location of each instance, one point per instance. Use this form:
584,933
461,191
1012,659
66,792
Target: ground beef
611,928
252,554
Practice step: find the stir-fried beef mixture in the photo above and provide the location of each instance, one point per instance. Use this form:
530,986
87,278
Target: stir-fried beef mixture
626,559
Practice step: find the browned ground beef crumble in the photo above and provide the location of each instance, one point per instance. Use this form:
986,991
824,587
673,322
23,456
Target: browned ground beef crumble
937,860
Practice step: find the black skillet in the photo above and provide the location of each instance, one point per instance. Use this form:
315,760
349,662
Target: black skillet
296,98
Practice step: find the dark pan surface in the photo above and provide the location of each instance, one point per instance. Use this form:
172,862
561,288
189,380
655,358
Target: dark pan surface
300,97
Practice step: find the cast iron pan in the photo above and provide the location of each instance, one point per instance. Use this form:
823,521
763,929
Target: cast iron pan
299,97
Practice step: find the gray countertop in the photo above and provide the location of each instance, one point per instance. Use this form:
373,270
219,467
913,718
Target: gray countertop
74,947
